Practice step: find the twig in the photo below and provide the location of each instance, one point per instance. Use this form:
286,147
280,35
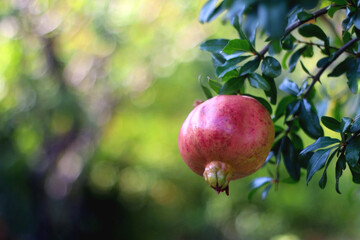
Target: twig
335,56
293,26
315,79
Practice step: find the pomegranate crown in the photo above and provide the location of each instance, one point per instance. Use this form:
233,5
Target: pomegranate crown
217,175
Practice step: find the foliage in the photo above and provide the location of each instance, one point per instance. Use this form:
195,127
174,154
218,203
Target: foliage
292,31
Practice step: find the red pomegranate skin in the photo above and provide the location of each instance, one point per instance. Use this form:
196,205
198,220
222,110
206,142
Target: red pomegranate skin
232,129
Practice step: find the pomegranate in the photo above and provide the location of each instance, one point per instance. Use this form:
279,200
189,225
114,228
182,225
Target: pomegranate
225,138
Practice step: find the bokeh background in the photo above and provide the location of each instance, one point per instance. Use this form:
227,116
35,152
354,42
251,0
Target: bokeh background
92,96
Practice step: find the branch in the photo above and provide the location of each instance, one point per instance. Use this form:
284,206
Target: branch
293,26
335,56
317,78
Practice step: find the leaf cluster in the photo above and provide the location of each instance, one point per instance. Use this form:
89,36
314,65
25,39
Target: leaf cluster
237,61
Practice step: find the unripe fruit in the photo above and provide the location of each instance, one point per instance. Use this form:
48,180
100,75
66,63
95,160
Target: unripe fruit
225,138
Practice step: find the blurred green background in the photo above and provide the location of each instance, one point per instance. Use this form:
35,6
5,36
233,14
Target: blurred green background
92,97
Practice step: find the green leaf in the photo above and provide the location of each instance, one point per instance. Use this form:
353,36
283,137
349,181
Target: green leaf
304,68
283,61
356,175
249,67
331,123
269,156
215,85
229,75
346,36
271,67
288,42
356,168
290,159
357,21
316,162
341,68
289,87
323,179
279,129
257,81
309,52
247,24
236,23
266,191
275,150
319,143
356,124
345,125
348,21
218,59
209,11
275,47
272,93
280,110
303,16
232,86
309,121
256,184
250,24
206,91
304,161
236,45
303,88
352,80
214,45
322,62
205,88
295,58
340,166
353,71
292,108
311,30
297,141
327,49
229,65
348,66
352,152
